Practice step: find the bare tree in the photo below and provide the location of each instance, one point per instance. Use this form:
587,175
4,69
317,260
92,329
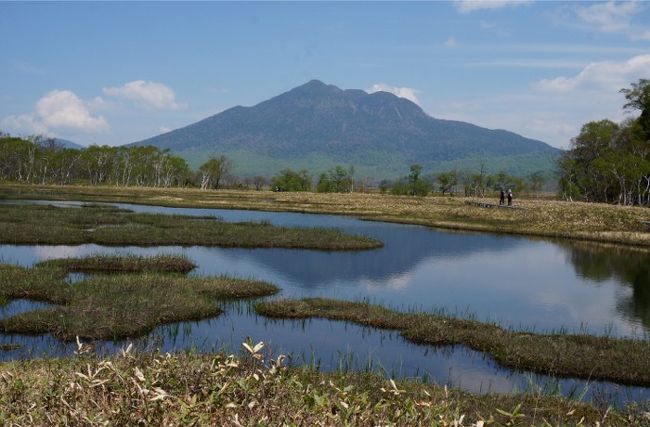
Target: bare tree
259,182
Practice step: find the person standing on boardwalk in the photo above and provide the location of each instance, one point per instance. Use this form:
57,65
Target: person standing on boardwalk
502,198
509,197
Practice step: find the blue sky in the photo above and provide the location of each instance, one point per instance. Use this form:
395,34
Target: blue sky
114,73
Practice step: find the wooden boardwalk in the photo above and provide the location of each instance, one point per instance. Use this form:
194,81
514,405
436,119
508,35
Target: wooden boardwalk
491,205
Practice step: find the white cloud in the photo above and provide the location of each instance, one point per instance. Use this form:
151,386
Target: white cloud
147,94
24,124
467,6
58,111
608,75
451,42
609,17
63,109
402,92
164,129
97,103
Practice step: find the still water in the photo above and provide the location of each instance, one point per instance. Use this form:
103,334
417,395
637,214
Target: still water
520,283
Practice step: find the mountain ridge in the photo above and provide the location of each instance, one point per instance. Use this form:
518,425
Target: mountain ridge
68,144
317,120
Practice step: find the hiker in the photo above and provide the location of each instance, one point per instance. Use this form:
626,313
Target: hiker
502,198
509,197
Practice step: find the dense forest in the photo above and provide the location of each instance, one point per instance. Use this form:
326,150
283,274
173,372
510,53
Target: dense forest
610,162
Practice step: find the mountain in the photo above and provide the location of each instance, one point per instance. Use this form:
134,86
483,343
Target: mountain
317,126
68,144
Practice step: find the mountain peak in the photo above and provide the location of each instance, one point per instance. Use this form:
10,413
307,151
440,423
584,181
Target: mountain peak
315,87
314,83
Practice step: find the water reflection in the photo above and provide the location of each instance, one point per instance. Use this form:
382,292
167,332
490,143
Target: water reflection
628,268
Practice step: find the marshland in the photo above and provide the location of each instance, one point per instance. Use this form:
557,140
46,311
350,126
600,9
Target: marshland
38,224
302,213
510,319
548,217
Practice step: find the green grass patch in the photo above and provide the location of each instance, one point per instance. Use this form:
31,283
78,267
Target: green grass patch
107,225
37,284
115,306
121,264
623,361
218,389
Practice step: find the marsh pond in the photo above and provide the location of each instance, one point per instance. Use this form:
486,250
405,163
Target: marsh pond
519,283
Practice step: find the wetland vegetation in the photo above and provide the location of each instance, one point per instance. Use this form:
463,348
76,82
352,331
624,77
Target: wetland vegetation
107,225
584,356
114,306
121,264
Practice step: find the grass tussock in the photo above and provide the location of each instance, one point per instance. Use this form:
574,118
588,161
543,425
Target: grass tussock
37,284
549,218
121,264
9,347
624,361
218,389
114,306
107,225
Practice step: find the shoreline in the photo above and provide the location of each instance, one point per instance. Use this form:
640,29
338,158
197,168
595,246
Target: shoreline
326,204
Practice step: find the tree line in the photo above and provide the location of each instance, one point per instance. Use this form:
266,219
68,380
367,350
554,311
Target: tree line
341,180
40,160
610,162
466,183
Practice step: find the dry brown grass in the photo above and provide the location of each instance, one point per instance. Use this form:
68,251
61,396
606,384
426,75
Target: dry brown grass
548,218
258,390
